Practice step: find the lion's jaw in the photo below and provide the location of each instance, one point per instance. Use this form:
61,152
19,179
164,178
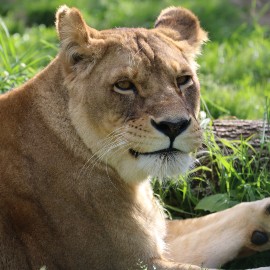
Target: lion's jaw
134,156
134,94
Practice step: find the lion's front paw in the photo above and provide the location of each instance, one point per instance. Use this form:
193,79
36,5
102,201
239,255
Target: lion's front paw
257,226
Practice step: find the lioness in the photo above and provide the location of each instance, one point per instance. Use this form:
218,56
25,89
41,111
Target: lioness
80,139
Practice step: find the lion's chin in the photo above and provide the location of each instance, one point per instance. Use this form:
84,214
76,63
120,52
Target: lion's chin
157,164
164,164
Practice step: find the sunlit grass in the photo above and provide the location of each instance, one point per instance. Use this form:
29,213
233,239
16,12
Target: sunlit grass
235,75
21,56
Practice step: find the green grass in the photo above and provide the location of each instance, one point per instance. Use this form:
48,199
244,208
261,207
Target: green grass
234,74
111,13
20,55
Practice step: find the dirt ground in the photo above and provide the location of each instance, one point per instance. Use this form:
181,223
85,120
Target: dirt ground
261,10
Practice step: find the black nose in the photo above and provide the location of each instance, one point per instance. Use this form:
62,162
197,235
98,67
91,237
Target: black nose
171,129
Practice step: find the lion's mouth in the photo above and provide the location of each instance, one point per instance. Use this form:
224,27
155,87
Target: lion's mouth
166,152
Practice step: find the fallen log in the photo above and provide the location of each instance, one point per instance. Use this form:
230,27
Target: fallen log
257,130
243,158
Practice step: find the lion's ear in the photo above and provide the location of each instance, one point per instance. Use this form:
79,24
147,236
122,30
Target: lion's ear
74,34
185,25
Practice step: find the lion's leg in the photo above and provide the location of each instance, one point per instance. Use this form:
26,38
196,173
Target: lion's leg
215,239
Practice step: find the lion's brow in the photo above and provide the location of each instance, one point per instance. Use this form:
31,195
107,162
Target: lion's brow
144,47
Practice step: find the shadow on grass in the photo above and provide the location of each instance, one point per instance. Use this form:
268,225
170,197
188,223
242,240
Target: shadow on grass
254,261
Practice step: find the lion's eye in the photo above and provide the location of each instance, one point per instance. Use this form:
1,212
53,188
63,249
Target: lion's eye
183,82
124,87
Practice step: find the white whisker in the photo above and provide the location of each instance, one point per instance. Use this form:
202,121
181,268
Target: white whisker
106,145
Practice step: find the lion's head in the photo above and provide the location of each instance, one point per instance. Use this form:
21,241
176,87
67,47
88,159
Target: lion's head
134,93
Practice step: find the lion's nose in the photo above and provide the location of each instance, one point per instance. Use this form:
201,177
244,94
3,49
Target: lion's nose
170,128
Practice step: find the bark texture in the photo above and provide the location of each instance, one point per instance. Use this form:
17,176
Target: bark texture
257,130
237,129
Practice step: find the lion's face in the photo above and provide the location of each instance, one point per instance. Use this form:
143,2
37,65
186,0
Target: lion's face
134,100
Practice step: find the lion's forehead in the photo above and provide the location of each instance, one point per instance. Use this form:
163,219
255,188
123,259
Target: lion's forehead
147,48
140,53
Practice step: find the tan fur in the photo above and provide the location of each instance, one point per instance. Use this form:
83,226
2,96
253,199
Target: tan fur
73,196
